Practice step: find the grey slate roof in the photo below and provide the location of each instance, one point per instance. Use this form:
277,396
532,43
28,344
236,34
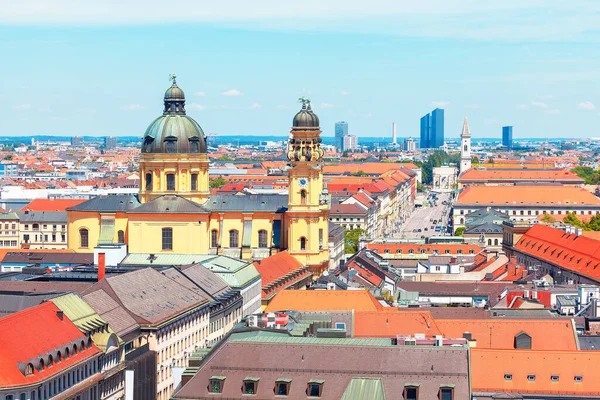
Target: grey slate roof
485,228
48,258
11,303
169,204
110,203
43,216
248,203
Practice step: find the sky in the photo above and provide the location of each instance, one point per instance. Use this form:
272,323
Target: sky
76,68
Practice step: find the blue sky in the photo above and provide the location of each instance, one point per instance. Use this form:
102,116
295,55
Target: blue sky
70,68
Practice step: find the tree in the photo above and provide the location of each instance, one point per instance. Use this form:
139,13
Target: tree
474,160
547,218
359,173
459,231
588,174
225,157
572,219
594,224
217,183
351,240
8,157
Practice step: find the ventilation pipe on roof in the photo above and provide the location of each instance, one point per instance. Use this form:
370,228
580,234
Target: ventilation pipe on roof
101,266
579,231
60,314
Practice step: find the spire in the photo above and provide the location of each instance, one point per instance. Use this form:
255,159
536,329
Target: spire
465,129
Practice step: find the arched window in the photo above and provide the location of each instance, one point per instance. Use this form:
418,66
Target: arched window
148,181
489,242
213,238
234,238
167,238
194,183
303,196
148,144
84,238
302,243
170,181
170,145
262,239
495,242
465,147
194,145
121,237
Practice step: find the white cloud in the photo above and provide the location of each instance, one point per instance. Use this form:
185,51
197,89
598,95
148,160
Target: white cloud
329,105
439,103
539,104
522,106
200,94
472,106
232,92
255,106
133,107
197,106
345,92
22,107
586,105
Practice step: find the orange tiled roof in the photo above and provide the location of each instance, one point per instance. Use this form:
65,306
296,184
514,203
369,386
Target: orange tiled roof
579,254
527,195
524,174
324,300
466,248
277,268
488,368
39,205
393,323
368,168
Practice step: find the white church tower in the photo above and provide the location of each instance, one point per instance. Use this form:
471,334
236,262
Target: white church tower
465,148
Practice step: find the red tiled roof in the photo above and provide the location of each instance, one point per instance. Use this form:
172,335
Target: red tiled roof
38,205
365,273
346,209
324,300
564,196
35,331
280,268
393,323
515,175
466,248
579,254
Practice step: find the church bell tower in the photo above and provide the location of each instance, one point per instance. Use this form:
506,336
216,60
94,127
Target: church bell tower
465,148
308,205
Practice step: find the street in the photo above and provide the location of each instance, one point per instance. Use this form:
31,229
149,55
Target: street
422,219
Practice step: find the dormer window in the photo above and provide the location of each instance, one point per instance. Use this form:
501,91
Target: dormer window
315,388
194,145
170,144
29,370
148,144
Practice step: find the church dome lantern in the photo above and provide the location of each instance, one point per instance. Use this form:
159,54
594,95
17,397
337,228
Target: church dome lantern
305,140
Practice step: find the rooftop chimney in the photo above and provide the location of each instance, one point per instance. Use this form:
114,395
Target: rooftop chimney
60,314
101,266
579,231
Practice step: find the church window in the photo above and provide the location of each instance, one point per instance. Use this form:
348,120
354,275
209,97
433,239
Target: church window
262,239
170,145
213,238
83,238
303,197
302,243
170,181
194,145
167,238
465,147
121,237
234,238
148,181
148,144
194,185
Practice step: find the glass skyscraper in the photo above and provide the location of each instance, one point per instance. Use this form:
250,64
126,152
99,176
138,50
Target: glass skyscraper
432,129
507,136
341,130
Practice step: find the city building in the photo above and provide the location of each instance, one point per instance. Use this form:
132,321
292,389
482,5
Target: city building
45,356
349,216
507,136
178,215
444,179
465,148
432,129
341,131
8,169
525,203
350,143
9,230
410,145
511,176
43,230
76,141
110,143
394,137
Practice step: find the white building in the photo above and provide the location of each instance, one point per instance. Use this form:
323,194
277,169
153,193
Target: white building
350,142
465,148
444,179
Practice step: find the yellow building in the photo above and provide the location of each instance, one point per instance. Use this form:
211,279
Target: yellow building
175,213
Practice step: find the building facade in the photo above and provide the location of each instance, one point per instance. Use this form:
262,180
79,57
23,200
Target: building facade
350,143
9,230
507,136
465,148
341,131
43,230
432,129
444,179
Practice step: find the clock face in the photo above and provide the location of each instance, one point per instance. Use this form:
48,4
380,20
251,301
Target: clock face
303,182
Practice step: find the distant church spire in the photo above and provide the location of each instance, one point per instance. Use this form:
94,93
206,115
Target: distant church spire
465,147
465,129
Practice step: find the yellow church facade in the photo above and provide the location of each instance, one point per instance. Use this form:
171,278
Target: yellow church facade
175,213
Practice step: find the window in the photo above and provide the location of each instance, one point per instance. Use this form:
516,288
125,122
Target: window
170,181
446,393
531,377
29,370
508,377
213,238
194,185
282,387
234,238
315,389
554,378
216,384
262,239
36,227
303,197
83,238
194,145
167,238
302,243
411,393
170,145
148,144
250,386
148,181
121,237
9,397
578,378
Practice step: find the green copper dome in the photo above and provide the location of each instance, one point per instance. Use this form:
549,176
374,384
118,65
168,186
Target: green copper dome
174,131
306,118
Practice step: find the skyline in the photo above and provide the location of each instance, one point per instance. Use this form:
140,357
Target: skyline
242,68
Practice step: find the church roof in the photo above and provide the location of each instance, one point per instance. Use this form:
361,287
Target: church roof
255,202
169,204
108,203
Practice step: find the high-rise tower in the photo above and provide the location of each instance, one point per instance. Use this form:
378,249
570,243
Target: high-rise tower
394,138
465,148
309,202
